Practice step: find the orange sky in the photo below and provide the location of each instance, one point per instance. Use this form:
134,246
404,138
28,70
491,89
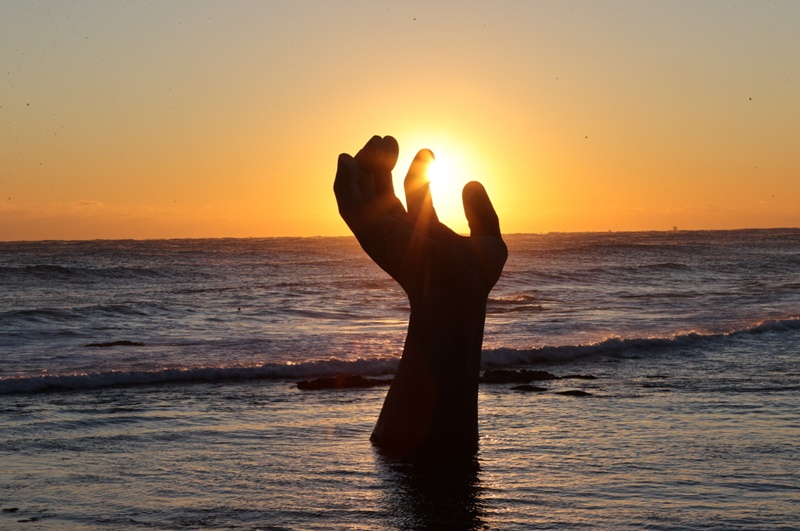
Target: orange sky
211,119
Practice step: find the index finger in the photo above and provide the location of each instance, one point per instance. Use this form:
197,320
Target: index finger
418,189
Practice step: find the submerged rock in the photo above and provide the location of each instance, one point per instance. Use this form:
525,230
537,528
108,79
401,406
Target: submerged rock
521,377
110,344
341,381
528,388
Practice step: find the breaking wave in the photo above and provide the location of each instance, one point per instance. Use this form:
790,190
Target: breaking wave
620,348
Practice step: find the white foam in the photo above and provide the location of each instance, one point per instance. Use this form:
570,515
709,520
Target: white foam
614,347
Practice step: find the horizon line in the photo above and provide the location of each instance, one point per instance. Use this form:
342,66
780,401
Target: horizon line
318,236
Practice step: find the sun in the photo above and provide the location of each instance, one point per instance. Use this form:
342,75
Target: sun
452,168
448,174
445,177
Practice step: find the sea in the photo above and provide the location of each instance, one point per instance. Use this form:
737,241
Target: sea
153,385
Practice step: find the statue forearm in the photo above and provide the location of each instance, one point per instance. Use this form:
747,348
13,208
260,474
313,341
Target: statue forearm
433,401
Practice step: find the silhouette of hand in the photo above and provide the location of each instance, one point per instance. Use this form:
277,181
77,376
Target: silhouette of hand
434,265
432,404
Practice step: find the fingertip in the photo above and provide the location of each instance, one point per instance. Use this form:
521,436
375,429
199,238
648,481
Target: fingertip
380,153
346,172
345,164
366,156
391,144
473,188
390,150
417,175
425,155
417,187
343,158
478,208
475,199
418,171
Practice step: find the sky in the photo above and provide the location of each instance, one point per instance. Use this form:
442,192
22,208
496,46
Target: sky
225,119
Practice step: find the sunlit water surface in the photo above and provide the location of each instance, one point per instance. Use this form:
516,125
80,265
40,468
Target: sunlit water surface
662,443
197,422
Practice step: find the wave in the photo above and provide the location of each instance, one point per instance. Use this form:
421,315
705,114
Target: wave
130,308
621,348
615,347
50,272
646,268
269,371
513,303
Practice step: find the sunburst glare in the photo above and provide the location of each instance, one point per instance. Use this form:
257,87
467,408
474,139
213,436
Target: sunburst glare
448,173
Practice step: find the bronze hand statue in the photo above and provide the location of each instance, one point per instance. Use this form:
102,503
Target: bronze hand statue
432,405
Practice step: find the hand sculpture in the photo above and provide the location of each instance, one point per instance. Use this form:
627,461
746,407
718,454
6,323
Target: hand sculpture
432,404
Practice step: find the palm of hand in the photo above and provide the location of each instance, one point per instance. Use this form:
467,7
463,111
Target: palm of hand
430,261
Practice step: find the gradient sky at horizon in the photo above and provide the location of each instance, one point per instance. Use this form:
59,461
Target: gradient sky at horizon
214,119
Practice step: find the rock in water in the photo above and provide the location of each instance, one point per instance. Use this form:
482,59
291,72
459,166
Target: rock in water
110,344
519,377
341,381
528,388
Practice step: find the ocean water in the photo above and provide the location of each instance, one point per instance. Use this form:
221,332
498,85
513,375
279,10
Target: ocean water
152,385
